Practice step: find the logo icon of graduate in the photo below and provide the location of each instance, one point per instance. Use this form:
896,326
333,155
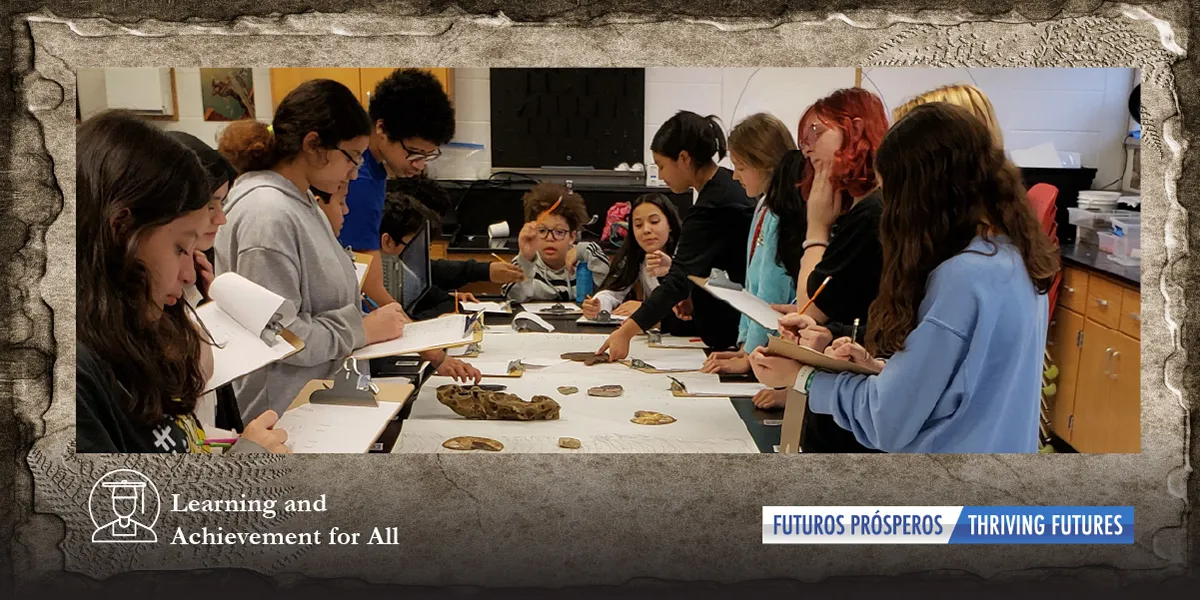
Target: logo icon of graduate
124,507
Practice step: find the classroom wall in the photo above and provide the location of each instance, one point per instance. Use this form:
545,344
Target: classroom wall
191,106
1079,110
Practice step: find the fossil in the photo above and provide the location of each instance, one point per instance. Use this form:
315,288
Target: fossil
606,391
649,417
587,358
470,442
567,390
566,442
474,403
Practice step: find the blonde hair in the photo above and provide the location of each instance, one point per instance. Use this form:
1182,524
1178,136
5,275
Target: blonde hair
760,141
966,96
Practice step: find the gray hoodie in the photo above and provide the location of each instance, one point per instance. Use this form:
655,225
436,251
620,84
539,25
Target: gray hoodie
278,238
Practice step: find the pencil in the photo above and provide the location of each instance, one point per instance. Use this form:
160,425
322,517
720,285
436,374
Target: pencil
370,302
214,441
497,257
854,332
818,293
548,211
456,302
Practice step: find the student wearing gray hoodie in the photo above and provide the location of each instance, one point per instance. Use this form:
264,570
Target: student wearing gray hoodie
278,237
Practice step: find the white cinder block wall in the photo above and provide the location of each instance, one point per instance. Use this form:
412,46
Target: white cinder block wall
1079,110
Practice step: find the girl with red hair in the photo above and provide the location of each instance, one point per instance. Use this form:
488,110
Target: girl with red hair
839,135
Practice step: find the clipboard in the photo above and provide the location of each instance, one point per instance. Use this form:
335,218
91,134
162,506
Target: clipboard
638,364
362,264
807,356
391,396
733,294
679,390
472,334
515,369
654,339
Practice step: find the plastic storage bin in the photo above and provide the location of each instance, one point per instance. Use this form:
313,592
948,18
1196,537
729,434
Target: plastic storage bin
1126,226
1107,241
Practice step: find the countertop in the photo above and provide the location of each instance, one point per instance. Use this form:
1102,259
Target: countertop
1091,258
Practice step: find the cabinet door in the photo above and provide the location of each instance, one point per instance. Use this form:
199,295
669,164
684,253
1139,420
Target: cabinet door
1131,314
1102,420
1063,343
1072,292
1126,394
1104,302
371,76
284,80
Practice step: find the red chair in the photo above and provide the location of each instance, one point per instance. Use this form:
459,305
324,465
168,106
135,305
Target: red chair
1043,197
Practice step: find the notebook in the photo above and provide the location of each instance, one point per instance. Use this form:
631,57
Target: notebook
247,323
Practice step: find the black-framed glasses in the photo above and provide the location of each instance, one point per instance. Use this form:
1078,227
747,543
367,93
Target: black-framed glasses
418,156
357,162
554,234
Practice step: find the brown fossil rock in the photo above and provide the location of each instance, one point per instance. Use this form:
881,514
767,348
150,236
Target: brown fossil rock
474,403
587,358
606,391
470,442
568,442
649,417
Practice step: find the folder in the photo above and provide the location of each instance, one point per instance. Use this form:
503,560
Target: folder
247,323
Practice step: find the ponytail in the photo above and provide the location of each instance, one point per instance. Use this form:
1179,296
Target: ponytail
700,137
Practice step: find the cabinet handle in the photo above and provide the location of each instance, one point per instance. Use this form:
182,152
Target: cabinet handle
1069,289
1101,302
1115,356
1107,360
1136,317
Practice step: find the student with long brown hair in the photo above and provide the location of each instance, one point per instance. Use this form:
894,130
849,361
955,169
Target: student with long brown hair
962,305
141,364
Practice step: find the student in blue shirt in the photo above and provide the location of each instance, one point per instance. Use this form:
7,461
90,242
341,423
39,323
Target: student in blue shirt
411,116
962,306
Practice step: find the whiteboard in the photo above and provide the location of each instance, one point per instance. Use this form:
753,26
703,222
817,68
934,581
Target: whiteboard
139,89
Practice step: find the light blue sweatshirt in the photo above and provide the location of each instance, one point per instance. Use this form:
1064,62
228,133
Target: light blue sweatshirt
970,375
764,277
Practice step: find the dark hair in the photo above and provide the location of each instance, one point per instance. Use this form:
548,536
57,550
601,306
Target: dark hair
323,106
132,178
628,261
412,104
404,215
783,199
701,137
425,190
544,195
220,171
944,182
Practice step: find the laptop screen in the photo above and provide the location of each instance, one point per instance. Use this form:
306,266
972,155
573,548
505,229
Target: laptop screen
407,277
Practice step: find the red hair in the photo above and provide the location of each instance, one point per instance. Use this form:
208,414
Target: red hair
854,163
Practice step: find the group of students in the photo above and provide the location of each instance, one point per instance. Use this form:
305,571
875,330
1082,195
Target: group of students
918,236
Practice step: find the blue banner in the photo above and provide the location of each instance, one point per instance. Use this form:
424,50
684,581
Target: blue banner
1044,525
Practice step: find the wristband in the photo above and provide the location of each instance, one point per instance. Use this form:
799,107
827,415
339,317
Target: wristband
810,243
804,379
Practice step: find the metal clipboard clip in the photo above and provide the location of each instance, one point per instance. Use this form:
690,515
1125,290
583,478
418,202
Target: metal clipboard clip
272,330
515,366
557,309
638,363
350,388
677,385
653,337
603,317
473,349
719,278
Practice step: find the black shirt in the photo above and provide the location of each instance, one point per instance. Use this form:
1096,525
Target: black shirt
104,426
855,260
714,236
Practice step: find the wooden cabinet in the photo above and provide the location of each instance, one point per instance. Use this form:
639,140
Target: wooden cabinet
361,81
1094,342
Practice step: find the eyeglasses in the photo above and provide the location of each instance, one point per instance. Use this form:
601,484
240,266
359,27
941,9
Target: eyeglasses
357,162
416,156
555,234
810,135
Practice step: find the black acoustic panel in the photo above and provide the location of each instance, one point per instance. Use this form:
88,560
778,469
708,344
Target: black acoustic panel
567,117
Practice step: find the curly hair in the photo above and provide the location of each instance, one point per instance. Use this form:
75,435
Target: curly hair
854,168
412,104
132,178
944,183
544,195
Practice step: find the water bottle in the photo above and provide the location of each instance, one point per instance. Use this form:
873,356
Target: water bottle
583,282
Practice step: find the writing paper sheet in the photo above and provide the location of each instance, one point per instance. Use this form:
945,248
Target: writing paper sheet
329,429
443,331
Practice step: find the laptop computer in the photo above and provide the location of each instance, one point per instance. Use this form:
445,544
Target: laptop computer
407,276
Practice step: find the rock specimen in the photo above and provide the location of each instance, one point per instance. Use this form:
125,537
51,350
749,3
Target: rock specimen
474,403
567,390
587,358
470,442
565,442
606,391
649,417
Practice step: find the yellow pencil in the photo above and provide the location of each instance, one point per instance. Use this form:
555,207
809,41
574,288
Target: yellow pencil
548,211
818,293
497,257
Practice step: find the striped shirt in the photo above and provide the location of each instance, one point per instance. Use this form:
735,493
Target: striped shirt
543,283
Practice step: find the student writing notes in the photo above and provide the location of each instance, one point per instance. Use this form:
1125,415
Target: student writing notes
655,225
961,309
761,148
221,175
548,249
278,238
141,364
714,234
